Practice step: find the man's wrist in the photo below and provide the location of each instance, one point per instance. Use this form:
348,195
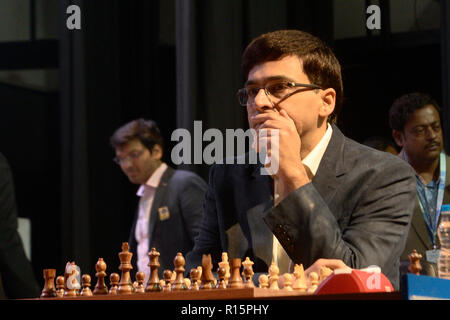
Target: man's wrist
290,182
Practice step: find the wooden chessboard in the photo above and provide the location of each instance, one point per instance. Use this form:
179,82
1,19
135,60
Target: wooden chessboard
235,294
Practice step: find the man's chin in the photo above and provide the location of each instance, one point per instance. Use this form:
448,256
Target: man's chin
432,154
134,180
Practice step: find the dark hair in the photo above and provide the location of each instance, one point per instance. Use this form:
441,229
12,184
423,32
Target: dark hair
379,143
146,131
319,62
403,107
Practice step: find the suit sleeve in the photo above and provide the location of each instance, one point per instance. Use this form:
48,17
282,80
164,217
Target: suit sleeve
377,227
191,200
208,239
15,269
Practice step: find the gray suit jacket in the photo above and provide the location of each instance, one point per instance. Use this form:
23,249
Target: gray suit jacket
173,230
418,237
358,208
17,278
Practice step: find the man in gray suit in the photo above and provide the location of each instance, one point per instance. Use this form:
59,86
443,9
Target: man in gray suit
416,127
17,279
170,205
332,201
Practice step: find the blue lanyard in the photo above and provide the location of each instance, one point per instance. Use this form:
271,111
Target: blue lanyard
432,225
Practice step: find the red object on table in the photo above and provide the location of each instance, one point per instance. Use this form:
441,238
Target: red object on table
353,281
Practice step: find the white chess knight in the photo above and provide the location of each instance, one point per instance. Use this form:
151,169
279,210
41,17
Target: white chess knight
73,278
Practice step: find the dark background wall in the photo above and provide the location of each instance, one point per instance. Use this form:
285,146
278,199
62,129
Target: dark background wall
174,61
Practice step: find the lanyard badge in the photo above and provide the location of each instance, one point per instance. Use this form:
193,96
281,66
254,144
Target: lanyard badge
432,225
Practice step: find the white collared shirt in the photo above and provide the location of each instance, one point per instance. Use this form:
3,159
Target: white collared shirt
312,161
147,194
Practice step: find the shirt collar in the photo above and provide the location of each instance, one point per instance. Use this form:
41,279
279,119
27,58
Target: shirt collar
154,179
312,160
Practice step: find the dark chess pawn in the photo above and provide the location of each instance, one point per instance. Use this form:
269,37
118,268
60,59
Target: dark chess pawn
221,273
114,279
140,277
167,275
86,284
195,277
60,286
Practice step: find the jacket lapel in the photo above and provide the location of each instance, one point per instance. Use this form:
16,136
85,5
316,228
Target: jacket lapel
159,199
419,226
331,167
260,234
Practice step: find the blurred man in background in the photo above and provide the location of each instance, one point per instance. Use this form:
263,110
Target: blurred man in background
16,274
170,206
416,128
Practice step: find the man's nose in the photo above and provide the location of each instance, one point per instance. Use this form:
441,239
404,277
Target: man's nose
262,101
125,164
431,134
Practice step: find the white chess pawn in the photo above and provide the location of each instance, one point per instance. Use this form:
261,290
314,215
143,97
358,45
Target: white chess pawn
314,279
273,276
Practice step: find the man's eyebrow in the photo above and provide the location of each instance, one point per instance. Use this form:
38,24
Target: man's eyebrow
273,78
426,124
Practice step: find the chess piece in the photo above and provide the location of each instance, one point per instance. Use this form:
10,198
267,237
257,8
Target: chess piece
299,278
100,287
248,273
125,266
140,277
49,290
179,263
200,271
324,272
114,283
224,263
207,276
86,284
60,286
167,275
221,273
236,280
288,279
195,276
263,281
153,284
71,284
187,282
314,280
273,276
414,266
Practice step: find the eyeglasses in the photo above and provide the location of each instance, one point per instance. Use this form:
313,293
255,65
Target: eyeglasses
279,91
132,156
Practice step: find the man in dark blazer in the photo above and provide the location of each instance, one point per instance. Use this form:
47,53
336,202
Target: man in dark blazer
170,207
331,199
17,279
416,127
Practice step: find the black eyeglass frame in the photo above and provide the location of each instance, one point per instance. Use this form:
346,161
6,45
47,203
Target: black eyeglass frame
305,86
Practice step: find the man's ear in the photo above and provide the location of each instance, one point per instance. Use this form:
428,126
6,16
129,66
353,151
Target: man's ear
157,152
328,102
398,137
